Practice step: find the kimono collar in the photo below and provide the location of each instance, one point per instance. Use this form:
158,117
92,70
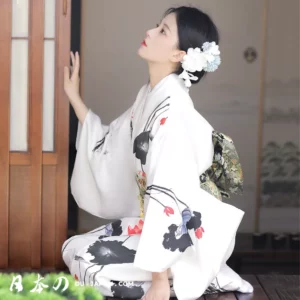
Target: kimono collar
171,79
169,86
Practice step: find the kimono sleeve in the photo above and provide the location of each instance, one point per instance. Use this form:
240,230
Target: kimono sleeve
102,164
178,212
172,187
97,134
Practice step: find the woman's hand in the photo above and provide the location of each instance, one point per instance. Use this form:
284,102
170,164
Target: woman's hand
71,82
159,289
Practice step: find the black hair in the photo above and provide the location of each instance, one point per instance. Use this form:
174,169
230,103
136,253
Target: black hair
194,29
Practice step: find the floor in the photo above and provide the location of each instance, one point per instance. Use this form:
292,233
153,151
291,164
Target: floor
266,287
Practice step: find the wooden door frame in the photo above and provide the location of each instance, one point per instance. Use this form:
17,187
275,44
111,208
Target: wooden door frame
5,57
35,159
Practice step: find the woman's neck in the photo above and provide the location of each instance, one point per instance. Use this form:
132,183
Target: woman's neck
158,72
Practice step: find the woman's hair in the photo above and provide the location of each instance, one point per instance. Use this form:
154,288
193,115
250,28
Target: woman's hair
194,29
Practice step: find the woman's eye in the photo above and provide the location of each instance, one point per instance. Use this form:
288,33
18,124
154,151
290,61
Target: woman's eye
162,30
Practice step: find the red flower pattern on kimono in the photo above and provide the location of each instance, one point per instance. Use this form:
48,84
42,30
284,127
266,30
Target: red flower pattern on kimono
198,232
137,229
168,210
163,121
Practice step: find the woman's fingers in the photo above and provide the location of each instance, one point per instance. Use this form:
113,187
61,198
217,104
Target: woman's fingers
78,60
76,66
72,63
73,59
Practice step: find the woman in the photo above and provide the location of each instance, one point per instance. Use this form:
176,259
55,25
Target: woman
147,169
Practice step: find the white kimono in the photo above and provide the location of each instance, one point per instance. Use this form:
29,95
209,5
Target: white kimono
143,171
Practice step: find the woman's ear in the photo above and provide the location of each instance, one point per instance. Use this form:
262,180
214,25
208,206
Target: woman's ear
178,55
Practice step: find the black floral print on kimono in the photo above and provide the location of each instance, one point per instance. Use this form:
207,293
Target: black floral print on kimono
178,237
108,252
142,141
100,143
112,229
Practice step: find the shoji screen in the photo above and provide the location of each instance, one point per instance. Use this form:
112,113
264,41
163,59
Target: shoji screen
279,185
35,42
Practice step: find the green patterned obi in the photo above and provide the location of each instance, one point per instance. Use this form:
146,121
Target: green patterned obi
225,176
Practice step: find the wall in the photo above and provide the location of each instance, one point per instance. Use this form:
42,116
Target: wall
280,174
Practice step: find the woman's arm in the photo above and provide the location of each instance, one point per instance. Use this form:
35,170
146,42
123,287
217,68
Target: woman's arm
71,87
160,276
80,108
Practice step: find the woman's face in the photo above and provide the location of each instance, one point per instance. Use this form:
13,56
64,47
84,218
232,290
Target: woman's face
160,44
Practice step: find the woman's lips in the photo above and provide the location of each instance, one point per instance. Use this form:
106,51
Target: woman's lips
144,43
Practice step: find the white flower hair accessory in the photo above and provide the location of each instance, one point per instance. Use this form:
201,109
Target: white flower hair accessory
207,59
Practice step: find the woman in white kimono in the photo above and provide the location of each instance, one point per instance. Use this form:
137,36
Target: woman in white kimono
153,170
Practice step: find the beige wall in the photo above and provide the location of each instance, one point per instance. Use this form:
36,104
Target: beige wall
281,211
229,98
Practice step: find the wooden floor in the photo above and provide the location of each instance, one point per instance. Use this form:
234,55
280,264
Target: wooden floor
272,287
266,287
